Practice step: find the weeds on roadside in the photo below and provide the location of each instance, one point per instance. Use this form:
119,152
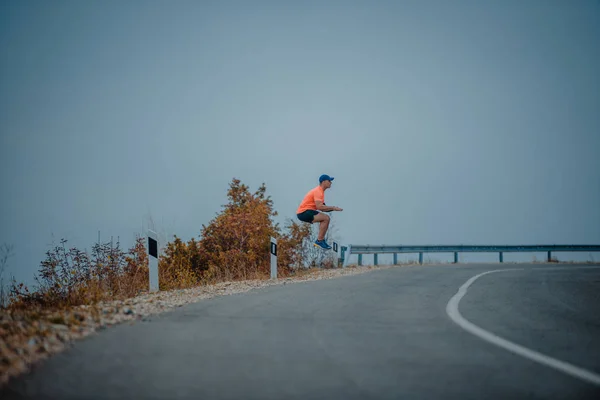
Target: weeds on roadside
71,277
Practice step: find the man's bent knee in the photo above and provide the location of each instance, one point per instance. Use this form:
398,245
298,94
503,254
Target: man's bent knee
322,218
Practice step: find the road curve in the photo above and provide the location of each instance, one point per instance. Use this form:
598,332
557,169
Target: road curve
381,335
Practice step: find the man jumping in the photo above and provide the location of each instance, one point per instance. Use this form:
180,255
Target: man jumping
311,206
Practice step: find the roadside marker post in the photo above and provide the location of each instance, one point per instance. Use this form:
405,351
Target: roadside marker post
153,260
273,258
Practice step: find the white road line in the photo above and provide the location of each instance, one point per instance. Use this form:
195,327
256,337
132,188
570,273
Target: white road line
454,314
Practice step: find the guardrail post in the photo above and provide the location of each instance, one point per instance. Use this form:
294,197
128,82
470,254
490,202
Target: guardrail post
455,257
360,259
395,258
375,259
421,258
501,258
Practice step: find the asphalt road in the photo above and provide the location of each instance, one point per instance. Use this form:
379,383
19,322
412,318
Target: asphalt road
386,334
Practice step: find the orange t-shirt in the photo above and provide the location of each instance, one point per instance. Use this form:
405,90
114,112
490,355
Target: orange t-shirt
308,203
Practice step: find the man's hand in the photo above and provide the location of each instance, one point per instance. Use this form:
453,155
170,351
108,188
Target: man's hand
323,207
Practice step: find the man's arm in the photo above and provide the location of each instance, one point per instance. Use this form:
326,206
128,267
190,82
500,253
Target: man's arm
322,207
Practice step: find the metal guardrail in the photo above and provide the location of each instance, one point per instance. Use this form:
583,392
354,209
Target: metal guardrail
347,251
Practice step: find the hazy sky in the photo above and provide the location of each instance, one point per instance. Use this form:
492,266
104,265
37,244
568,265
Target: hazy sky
463,122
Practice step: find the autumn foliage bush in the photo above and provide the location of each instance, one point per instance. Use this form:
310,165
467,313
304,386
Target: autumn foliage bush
234,245
178,265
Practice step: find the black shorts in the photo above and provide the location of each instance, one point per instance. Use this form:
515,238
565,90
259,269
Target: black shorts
307,216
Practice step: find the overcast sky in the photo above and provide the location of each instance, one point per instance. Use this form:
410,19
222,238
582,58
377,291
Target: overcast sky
462,122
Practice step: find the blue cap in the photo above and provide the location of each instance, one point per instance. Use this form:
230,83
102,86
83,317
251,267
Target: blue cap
325,178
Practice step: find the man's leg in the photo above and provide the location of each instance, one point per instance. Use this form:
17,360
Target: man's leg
323,220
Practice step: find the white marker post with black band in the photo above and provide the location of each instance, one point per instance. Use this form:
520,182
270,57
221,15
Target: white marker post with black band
153,260
273,258
335,249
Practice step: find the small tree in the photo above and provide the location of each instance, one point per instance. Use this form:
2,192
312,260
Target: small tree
291,246
235,243
178,266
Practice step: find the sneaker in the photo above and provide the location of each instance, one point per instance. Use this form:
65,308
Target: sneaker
323,244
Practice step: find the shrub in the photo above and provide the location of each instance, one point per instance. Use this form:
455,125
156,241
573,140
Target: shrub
235,243
72,277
